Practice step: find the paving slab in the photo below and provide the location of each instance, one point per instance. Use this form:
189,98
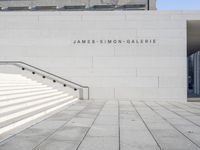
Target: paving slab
168,138
49,124
54,144
69,133
80,122
103,131
114,125
22,143
99,143
133,133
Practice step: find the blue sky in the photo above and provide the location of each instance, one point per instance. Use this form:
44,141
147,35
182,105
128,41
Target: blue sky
178,4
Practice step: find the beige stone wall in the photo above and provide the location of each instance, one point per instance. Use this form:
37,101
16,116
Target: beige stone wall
113,71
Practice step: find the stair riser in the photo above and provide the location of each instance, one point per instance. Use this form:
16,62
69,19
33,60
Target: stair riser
23,91
8,103
18,114
21,87
29,104
24,101
25,95
11,130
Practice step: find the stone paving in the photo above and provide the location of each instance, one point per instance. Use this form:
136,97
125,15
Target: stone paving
114,125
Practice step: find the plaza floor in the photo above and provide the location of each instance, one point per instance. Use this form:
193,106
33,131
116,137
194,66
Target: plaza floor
114,125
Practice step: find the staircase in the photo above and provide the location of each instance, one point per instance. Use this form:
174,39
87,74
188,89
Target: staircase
24,102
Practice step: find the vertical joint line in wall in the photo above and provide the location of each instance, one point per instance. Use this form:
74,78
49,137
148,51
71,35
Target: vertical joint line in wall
119,127
114,94
136,72
158,81
171,17
126,18
38,19
136,33
114,51
92,66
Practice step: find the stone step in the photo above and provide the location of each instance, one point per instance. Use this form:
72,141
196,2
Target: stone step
21,87
24,102
20,100
29,104
18,84
2,93
21,95
24,113
19,125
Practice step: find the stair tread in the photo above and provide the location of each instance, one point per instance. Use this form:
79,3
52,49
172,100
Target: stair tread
2,93
20,100
22,124
26,105
25,101
18,84
21,87
21,95
30,113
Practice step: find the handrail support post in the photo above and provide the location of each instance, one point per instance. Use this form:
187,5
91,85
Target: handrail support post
81,97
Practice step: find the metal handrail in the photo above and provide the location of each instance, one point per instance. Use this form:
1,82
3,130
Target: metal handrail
34,70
